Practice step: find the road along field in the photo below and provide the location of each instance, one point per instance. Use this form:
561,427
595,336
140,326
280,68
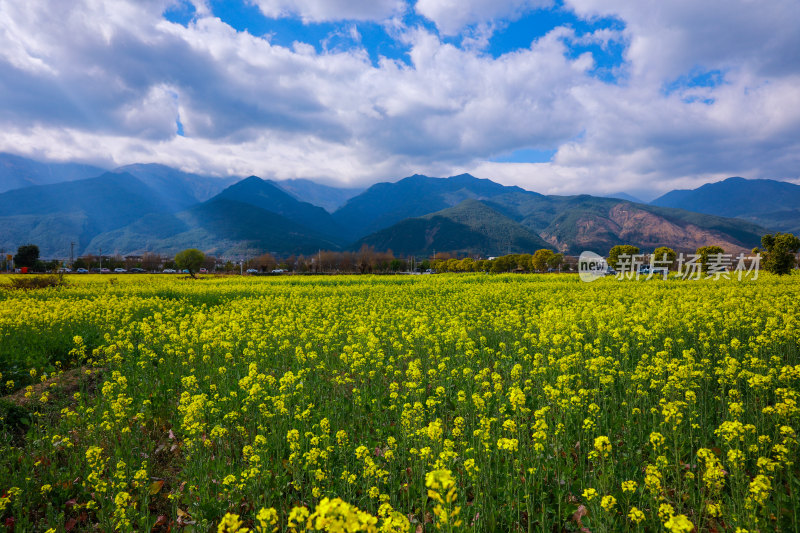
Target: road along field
409,403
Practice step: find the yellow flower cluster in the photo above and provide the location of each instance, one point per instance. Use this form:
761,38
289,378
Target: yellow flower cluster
485,403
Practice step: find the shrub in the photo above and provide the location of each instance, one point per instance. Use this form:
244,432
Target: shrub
37,282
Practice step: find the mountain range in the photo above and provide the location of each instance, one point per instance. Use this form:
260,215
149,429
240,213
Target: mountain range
380,216
147,207
769,203
17,172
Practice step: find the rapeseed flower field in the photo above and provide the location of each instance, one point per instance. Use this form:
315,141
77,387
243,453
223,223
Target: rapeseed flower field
408,403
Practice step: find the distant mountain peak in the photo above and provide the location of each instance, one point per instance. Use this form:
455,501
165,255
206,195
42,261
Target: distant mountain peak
770,203
466,177
151,166
328,197
268,196
624,196
17,172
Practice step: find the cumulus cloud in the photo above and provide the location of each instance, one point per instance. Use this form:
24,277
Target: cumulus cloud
234,88
106,81
668,39
746,122
452,16
327,10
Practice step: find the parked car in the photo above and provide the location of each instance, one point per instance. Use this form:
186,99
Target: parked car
104,271
120,270
204,271
64,270
137,270
168,271
82,271
252,271
278,271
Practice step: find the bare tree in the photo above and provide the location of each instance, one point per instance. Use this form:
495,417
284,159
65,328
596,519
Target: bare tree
151,261
265,262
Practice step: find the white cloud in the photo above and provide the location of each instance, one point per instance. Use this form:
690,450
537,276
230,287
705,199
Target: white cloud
105,82
331,10
154,116
19,49
356,120
668,39
452,16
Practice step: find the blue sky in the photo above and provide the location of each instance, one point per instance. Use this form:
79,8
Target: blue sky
377,40
374,37
557,96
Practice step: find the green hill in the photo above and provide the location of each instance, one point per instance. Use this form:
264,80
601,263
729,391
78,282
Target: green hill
267,196
471,228
221,227
52,216
385,204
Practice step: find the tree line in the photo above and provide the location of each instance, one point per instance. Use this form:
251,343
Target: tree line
543,260
778,255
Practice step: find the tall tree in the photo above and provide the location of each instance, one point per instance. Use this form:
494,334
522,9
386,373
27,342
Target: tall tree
27,256
705,252
555,261
779,252
191,260
664,253
540,259
621,249
504,263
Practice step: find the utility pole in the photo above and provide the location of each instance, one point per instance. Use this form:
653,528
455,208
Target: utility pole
101,260
71,254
